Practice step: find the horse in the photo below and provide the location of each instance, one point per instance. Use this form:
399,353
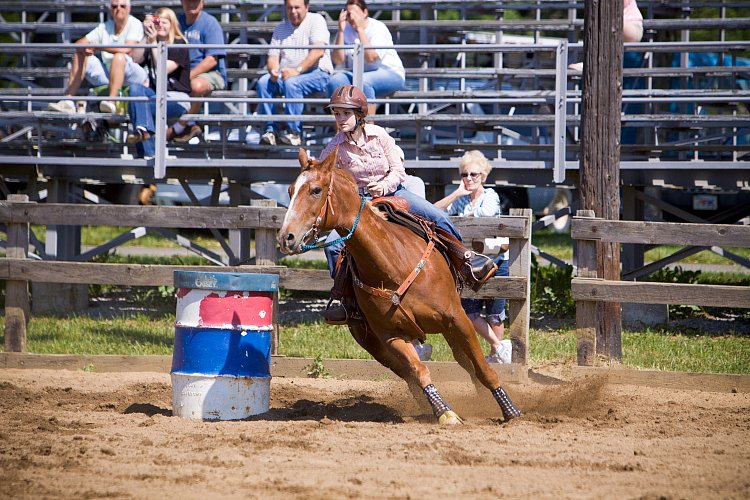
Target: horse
403,289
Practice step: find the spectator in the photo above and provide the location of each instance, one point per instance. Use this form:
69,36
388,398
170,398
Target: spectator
293,72
383,70
632,22
370,155
115,68
632,27
472,199
208,70
162,27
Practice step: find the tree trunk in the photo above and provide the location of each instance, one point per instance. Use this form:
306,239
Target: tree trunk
600,147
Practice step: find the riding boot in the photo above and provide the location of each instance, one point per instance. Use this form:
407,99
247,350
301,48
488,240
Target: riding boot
479,268
475,268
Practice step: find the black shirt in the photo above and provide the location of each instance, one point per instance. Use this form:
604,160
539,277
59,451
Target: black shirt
179,79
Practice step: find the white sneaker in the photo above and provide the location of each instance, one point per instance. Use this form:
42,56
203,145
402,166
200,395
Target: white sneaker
64,106
424,351
268,138
291,138
107,107
503,355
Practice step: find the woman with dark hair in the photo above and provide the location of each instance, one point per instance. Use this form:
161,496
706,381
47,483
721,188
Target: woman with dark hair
159,27
383,69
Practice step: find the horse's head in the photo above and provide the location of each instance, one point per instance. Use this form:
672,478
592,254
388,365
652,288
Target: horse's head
309,208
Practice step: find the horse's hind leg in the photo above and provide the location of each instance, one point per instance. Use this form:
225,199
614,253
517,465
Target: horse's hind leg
370,342
463,342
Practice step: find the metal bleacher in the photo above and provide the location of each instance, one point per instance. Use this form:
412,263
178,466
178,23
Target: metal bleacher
480,75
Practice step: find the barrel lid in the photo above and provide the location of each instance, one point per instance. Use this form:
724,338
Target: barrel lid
251,282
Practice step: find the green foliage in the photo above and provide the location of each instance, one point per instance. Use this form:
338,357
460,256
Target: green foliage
317,369
550,289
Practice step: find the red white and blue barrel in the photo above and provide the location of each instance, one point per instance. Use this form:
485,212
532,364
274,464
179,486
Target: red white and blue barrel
221,365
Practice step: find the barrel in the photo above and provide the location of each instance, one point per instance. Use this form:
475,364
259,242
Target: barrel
221,364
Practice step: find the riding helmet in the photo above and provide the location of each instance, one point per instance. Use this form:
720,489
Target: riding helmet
349,97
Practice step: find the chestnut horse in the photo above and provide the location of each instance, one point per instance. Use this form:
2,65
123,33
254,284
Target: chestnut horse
325,197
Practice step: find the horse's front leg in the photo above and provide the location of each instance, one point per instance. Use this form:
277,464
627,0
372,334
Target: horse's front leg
365,337
462,340
404,351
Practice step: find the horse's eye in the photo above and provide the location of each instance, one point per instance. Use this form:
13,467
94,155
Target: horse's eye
316,190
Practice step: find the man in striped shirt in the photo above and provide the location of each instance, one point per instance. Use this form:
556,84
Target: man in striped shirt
295,70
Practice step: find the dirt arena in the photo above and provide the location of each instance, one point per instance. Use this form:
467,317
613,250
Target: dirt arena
75,434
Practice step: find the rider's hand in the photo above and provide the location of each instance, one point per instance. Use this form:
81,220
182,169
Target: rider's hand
375,189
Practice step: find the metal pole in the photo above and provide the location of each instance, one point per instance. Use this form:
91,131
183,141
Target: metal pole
160,167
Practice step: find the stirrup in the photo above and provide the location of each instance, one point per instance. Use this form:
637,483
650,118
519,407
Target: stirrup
480,269
335,314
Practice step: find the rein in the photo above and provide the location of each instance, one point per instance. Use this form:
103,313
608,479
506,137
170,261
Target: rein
316,225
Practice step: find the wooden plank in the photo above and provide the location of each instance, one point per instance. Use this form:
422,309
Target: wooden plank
149,216
161,275
482,227
731,235
17,306
585,251
213,217
660,293
519,309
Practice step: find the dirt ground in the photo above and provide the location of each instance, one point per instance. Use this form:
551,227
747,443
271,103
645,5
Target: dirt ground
75,434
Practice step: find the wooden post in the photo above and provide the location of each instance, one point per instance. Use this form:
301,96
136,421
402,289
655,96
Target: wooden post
519,310
16,291
265,255
600,147
239,239
585,310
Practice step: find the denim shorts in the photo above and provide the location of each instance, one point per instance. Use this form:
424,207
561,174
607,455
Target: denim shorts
495,308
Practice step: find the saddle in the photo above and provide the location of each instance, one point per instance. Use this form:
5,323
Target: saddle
459,260
397,210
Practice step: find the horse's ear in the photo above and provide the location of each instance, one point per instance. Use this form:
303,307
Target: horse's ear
304,161
330,160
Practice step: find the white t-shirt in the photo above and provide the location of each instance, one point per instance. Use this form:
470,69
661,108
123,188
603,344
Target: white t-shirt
105,33
379,35
313,30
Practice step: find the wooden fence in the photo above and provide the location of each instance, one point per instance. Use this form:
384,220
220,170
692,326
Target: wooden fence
17,269
588,289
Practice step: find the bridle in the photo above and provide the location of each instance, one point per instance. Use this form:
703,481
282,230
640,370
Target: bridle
314,230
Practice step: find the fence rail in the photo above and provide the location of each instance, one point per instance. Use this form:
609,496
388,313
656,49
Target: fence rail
588,289
18,270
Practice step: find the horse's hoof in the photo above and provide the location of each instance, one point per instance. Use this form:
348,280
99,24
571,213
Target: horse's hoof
450,418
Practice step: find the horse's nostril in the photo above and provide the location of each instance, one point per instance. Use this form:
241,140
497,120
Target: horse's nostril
290,237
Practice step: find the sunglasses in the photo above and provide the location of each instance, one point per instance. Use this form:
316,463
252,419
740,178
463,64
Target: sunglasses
118,6
473,175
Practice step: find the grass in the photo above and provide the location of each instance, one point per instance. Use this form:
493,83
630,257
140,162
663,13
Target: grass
144,334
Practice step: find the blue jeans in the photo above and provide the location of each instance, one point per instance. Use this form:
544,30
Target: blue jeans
296,87
378,83
417,205
142,115
495,307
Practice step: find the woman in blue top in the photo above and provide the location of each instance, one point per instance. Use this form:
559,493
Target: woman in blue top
472,199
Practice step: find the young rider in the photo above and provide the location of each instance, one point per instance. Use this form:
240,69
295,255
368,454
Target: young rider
367,152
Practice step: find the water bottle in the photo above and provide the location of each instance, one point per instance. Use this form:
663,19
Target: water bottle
121,106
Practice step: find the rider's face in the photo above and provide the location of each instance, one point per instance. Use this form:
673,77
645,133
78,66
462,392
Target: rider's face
346,120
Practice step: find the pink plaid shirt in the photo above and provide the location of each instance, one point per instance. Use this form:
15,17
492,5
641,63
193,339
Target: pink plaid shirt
376,160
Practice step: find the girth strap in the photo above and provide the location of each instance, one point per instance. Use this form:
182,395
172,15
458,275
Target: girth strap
395,297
